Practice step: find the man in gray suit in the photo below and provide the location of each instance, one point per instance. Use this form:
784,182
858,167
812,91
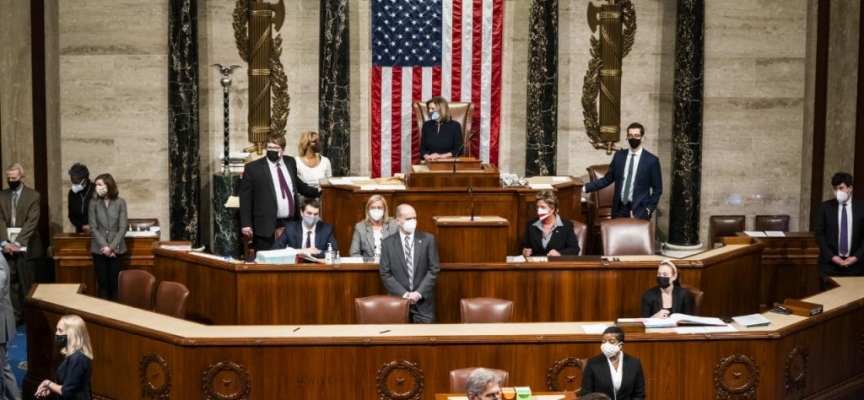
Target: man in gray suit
409,265
9,388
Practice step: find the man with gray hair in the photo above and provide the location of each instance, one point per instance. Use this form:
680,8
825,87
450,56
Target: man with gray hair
483,384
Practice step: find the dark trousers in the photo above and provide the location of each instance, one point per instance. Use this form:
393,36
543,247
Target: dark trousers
22,275
107,270
262,243
623,210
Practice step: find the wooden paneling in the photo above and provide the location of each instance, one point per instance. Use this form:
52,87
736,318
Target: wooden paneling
73,262
788,267
461,240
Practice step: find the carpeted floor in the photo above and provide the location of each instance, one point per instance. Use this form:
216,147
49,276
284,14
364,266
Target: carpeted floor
18,354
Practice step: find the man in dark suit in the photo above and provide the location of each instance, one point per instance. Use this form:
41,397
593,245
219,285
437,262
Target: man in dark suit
19,208
268,194
9,386
310,235
409,265
840,231
637,178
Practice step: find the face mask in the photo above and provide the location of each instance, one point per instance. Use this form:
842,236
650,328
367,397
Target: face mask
841,196
609,350
61,340
310,221
543,213
664,281
634,143
14,184
101,191
273,155
77,188
316,147
376,215
409,226
434,115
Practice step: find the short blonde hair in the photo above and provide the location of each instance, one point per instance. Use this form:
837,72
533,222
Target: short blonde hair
373,200
671,265
77,337
16,167
548,197
305,138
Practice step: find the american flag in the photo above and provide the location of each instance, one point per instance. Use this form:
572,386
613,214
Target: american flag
426,48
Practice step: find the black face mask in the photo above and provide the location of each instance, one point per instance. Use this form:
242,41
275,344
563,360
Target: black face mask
14,184
273,155
664,281
634,143
316,147
61,340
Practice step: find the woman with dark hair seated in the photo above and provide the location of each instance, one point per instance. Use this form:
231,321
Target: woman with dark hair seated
549,234
667,297
614,373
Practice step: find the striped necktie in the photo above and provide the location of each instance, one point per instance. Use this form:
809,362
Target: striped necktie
409,262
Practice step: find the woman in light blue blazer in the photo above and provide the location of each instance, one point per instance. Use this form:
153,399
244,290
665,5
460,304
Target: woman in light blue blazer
369,232
108,226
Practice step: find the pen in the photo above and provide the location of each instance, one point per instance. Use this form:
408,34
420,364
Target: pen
298,328
384,331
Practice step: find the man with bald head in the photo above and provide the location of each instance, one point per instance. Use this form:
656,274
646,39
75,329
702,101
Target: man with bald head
409,265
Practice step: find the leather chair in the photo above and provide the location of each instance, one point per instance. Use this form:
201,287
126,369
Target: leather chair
771,223
599,204
142,224
459,378
581,231
381,310
461,112
485,310
135,288
724,225
627,237
697,296
171,299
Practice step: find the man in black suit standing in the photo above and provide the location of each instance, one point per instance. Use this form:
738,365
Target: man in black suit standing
7,333
840,231
311,235
268,194
637,178
409,265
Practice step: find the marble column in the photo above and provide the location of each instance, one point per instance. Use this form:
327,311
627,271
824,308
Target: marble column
184,143
334,123
226,240
542,96
685,190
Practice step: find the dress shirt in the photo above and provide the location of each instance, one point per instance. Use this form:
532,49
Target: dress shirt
848,225
378,235
638,156
282,204
548,236
307,231
617,375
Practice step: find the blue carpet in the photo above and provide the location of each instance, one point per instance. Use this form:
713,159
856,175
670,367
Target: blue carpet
18,354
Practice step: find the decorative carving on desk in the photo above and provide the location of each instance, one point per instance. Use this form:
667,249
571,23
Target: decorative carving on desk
797,364
736,377
226,380
155,377
569,366
400,380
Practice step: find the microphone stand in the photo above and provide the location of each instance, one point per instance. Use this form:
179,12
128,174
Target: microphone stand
459,151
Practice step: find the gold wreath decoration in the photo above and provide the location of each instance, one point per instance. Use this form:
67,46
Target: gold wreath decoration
280,107
241,17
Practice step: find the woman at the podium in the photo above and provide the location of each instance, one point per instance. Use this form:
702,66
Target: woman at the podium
441,136
369,232
549,235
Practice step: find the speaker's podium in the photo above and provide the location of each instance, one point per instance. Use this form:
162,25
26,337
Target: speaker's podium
477,239
454,172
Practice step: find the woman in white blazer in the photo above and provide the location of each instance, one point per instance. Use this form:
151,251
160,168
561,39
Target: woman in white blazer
108,223
369,232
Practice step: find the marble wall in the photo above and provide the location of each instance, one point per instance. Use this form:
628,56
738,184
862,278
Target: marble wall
16,91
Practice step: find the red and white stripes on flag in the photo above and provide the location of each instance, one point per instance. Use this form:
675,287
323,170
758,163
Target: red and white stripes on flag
470,71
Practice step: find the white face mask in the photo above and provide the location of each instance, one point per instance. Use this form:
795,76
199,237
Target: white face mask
77,188
376,215
409,226
841,196
609,350
101,190
542,213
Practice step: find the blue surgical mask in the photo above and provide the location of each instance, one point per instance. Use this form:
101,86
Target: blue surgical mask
310,221
434,116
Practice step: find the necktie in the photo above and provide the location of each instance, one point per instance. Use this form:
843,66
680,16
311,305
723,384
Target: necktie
844,236
286,192
14,207
627,180
409,262
308,240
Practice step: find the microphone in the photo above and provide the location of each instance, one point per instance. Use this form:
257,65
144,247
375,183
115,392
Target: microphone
459,150
471,196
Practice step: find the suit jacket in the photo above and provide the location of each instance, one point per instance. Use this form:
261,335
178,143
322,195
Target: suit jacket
108,225
363,241
827,233
598,379
394,271
652,301
563,239
27,219
647,185
292,237
258,205
7,315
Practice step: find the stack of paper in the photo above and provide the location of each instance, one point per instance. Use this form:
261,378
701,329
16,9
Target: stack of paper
676,320
752,320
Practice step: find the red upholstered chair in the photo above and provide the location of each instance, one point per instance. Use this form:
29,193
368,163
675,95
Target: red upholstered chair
171,299
135,288
627,237
581,231
460,112
771,223
459,378
697,296
381,310
484,310
724,225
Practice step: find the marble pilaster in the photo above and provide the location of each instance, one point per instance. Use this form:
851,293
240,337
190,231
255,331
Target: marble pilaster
542,95
334,105
226,240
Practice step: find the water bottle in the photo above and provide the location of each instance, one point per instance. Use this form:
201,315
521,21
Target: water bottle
338,260
328,255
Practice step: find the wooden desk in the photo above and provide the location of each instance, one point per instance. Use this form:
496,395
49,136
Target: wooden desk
73,262
344,206
140,354
251,294
460,239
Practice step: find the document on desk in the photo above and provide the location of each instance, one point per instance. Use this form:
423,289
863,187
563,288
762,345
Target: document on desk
689,330
752,320
516,259
775,234
540,186
340,181
594,329
755,233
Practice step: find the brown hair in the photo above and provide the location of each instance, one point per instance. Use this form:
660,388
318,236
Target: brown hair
277,139
113,193
311,202
443,108
548,197
305,138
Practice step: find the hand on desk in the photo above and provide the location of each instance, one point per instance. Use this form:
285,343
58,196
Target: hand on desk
553,253
661,314
310,251
526,252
